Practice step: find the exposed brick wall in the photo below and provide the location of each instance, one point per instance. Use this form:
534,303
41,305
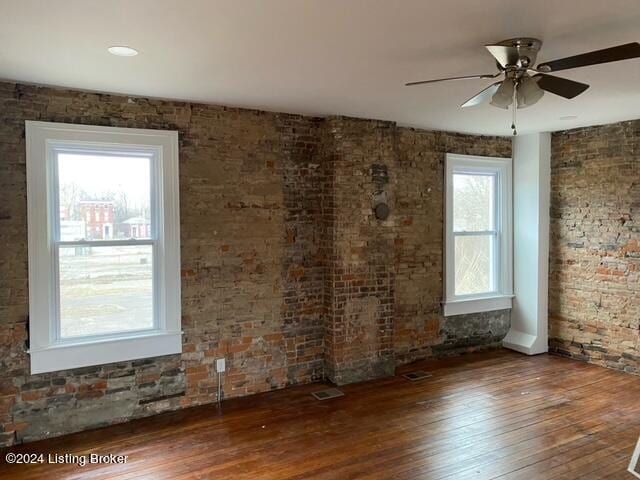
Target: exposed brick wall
285,270
251,275
594,292
385,277
303,261
420,330
361,264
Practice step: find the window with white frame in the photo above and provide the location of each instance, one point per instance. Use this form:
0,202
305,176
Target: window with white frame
97,293
478,250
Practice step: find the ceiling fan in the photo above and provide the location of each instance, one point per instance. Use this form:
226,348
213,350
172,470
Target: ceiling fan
516,58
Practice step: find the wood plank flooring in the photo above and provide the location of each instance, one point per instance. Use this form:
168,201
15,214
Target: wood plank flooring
497,415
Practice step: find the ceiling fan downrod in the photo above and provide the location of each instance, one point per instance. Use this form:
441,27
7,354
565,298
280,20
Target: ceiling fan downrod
514,107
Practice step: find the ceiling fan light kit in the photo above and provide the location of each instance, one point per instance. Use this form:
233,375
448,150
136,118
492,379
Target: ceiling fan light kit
528,92
503,98
516,58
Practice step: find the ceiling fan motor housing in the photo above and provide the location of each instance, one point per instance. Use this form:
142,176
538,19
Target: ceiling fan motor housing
519,54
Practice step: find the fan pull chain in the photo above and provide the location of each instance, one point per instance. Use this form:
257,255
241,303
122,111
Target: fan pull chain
515,107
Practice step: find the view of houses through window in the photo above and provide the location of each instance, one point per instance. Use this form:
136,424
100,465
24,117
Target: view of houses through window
104,288
103,200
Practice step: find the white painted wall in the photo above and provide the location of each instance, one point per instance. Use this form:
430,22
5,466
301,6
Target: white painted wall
531,184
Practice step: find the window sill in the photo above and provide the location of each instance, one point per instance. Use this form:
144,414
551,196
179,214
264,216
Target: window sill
64,356
477,305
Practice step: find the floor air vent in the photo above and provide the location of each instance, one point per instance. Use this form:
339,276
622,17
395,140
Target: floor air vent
417,375
327,394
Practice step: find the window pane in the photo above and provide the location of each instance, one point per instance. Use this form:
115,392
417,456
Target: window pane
104,197
473,264
473,202
105,290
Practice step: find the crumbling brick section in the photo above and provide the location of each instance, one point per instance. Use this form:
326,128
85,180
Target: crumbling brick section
594,288
303,261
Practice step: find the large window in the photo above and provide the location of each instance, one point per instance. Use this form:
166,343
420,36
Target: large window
104,281
478,234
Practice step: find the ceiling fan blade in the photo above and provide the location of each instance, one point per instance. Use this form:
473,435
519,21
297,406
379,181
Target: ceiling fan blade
422,82
485,94
606,55
505,55
560,86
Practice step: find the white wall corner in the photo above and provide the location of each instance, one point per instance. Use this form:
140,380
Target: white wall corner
531,192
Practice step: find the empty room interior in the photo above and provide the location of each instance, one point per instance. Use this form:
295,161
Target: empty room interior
320,239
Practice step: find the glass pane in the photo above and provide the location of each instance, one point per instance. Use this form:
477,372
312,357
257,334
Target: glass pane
473,202
473,263
104,197
105,289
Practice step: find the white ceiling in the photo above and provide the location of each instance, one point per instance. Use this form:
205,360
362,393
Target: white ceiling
322,57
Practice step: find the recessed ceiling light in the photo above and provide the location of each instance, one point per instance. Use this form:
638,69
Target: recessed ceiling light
569,117
122,51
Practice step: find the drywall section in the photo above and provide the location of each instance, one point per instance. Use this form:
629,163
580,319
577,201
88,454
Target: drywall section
531,166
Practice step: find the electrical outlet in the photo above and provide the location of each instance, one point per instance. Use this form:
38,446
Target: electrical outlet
220,365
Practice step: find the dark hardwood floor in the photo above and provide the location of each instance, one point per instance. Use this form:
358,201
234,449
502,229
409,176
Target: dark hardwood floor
480,416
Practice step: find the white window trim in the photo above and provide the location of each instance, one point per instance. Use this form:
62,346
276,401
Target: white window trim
502,298
47,352
634,464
